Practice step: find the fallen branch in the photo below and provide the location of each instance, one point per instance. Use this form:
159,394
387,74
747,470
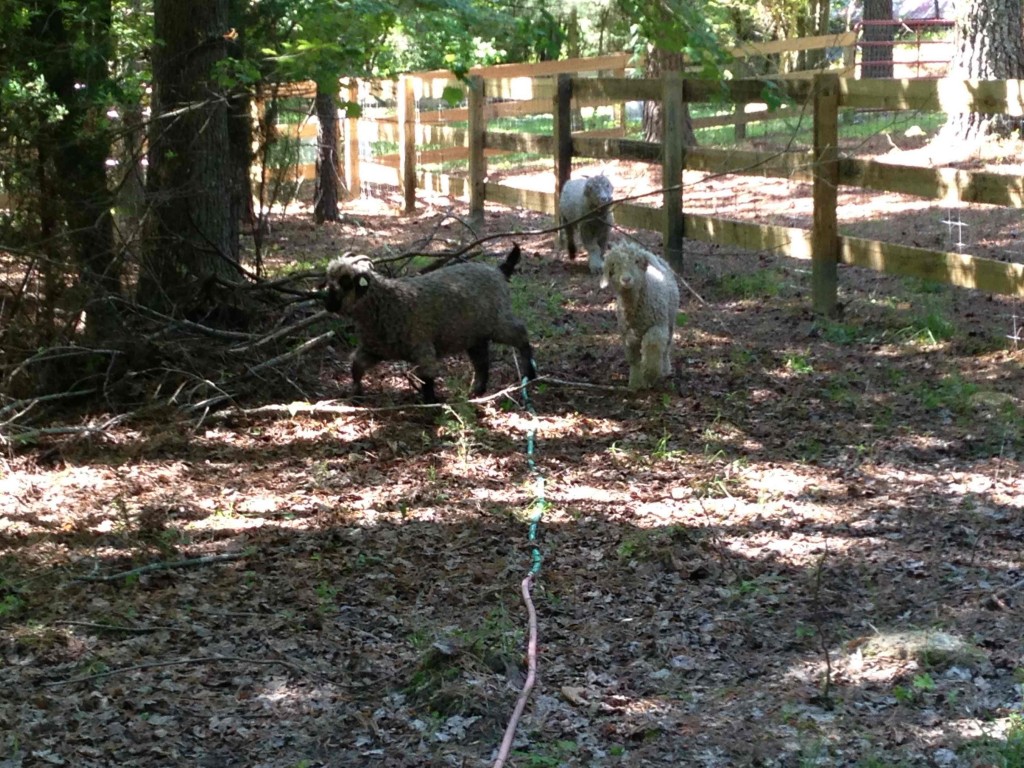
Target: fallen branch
32,434
1000,595
174,662
333,408
28,403
108,627
312,319
167,566
171,323
205,405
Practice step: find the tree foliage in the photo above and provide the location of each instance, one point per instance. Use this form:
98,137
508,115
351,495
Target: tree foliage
77,98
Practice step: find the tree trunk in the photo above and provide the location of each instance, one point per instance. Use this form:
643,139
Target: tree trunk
814,21
130,182
988,45
876,51
78,147
241,127
328,163
659,62
190,246
240,135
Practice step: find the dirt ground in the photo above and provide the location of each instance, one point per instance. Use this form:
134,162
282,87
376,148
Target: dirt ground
805,551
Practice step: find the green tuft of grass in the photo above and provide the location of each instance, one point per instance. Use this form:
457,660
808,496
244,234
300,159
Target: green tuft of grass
841,333
798,364
998,753
764,283
929,328
538,304
951,393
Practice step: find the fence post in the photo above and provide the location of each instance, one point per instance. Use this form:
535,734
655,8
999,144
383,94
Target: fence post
407,140
562,114
673,150
739,128
352,180
825,236
477,160
620,107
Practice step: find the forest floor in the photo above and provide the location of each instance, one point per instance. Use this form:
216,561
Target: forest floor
808,550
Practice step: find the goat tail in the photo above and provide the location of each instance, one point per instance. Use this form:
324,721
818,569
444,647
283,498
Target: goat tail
508,266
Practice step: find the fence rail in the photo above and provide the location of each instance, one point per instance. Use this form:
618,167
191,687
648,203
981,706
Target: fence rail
822,166
563,87
825,95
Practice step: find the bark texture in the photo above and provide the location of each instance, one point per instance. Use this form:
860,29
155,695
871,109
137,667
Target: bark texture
988,46
328,162
876,48
659,62
73,153
191,241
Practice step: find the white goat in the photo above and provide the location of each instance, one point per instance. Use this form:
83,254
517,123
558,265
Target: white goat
462,308
647,301
583,204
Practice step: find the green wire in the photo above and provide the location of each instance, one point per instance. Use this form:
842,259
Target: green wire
539,502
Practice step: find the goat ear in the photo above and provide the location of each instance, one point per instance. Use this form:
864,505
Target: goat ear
604,280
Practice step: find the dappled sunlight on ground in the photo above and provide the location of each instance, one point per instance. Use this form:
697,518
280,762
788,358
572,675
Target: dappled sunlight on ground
802,485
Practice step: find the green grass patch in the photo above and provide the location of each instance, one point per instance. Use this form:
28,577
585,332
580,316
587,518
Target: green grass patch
654,543
841,333
1005,752
839,389
764,283
951,393
798,364
797,128
539,305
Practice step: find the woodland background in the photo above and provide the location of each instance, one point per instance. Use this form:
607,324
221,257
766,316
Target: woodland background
806,551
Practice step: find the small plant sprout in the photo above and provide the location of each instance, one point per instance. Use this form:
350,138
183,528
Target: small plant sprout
798,364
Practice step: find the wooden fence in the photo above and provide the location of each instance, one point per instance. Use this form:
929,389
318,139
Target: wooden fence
822,166
416,111
505,90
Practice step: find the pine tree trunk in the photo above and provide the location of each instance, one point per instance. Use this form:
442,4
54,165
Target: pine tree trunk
328,163
241,129
130,148
189,242
876,52
988,45
78,146
659,62
815,22
240,134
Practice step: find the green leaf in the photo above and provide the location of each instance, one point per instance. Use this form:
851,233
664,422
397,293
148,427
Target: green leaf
453,95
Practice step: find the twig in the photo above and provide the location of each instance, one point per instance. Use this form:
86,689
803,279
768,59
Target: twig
531,677
108,627
30,403
167,566
205,405
58,353
49,431
1005,591
311,320
331,407
583,384
175,662
305,346
175,322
